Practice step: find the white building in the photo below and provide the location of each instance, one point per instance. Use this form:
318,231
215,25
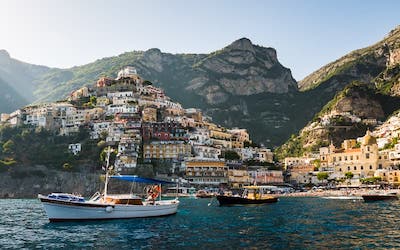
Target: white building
127,72
123,94
203,151
121,108
200,136
75,148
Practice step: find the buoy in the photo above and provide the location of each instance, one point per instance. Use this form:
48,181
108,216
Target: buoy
109,209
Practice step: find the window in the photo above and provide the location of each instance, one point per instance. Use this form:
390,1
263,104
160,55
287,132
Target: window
380,166
340,158
362,167
367,155
340,169
345,158
355,168
334,159
370,167
348,168
351,157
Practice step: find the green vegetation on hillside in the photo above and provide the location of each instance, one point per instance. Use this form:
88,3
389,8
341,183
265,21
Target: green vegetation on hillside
27,146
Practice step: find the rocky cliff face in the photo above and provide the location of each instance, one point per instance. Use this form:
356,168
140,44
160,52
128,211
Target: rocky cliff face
363,64
41,180
378,68
241,69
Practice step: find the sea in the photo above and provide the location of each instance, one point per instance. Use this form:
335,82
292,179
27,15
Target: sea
291,223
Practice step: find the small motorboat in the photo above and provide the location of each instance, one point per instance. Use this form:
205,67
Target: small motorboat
380,197
250,195
204,194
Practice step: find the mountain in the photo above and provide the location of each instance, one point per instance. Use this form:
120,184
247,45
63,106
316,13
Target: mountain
367,85
240,85
10,98
17,82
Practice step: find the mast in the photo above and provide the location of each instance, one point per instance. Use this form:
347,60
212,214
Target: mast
108,163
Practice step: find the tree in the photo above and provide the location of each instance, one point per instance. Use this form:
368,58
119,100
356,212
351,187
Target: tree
317,164
231,155
322,176
67,166
8,147
349,176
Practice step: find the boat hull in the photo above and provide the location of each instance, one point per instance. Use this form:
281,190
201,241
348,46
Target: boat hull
57,210
369,198
232,200
342,197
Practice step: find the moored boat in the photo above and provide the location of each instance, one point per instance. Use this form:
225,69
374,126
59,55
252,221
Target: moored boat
204,194
71,207
250,195
342,197
68,207
380,197
180,192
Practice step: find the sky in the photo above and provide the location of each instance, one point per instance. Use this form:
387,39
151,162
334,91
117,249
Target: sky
307,34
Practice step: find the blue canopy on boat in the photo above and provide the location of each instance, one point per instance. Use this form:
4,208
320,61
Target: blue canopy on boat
134,178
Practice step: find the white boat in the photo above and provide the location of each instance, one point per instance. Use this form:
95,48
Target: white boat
180,192
69,207
342,197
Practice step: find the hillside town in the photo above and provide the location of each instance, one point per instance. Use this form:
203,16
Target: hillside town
368,160
144,125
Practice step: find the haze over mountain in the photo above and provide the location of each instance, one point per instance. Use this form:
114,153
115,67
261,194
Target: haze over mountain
240,85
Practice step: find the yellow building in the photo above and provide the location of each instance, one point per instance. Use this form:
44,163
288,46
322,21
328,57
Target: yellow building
238,178
362,160
166,150
240,134
206,171
220,134
390,176
149,114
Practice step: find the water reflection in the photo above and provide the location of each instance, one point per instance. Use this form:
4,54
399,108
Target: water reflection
291,223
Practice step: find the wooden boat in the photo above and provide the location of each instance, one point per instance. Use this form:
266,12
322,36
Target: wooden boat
250,195
379,197
70,207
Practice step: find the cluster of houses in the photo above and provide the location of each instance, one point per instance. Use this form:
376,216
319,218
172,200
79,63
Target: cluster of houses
132,115
356,162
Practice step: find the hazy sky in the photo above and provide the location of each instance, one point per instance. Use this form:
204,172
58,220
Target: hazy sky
307,34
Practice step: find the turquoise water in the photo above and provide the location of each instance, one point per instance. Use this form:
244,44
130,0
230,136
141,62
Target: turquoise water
292,223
